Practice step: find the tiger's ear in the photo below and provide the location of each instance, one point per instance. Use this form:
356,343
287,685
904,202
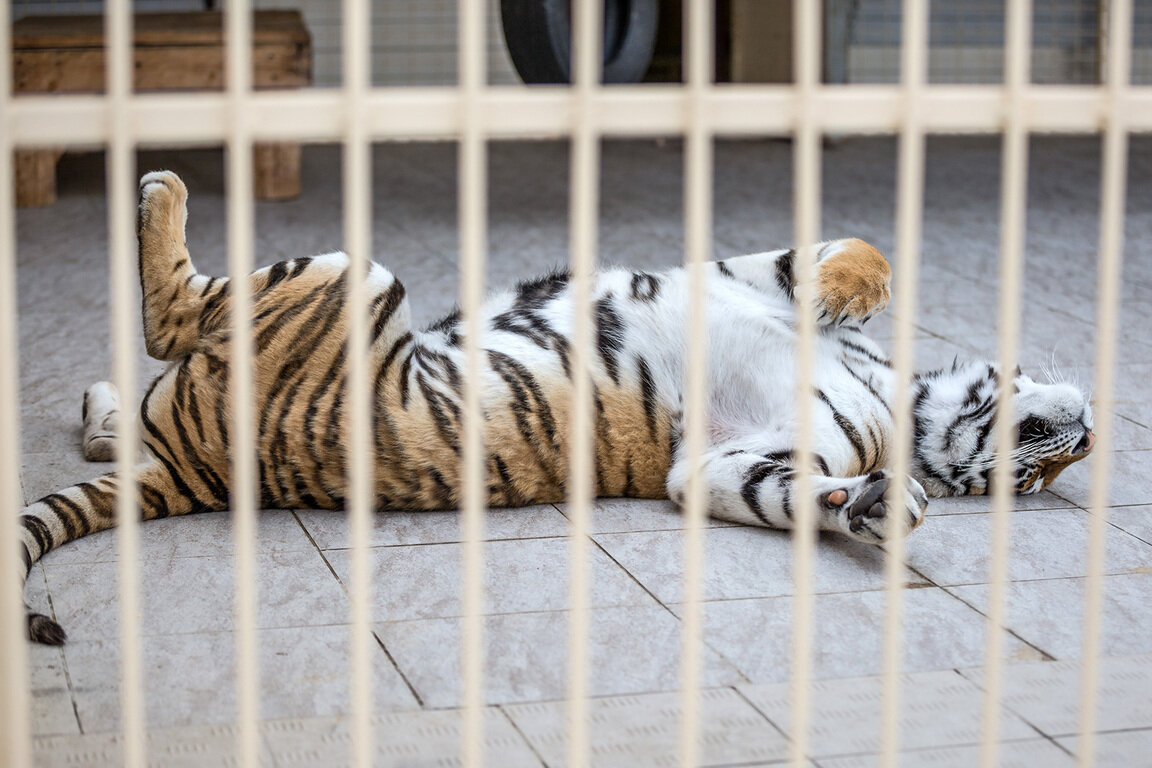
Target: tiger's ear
1018,372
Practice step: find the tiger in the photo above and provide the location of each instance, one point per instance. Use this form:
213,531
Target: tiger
636,365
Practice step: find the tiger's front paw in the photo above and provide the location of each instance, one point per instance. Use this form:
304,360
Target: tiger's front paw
852,282
163,201
861,508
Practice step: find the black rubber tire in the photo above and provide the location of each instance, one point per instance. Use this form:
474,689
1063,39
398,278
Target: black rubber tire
539,38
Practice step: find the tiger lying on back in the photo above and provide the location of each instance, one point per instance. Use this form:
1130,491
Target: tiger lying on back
298,322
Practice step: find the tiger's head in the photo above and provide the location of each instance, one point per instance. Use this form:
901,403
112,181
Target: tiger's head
954,442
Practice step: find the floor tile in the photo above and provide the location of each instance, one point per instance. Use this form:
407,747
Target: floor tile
1116,750
625,515
45,663
49,694
1131,483
1130,435
940,632
967,505
1049,336
1050,613
421,582
189,747
195,594
1029,753
203,535
64,327
938,709
1047,694
1135,520
401,739
330,529
189,679
745,562
1043,544
52,713
645,730
631,650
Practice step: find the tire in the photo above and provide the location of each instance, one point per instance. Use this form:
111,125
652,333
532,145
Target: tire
539,38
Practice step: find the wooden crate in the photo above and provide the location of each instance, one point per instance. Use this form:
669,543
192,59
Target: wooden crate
172,52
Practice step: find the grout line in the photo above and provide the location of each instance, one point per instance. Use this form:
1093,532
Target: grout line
516,727
411,688
1046,656
63,657
319,551
1125,531
445,543
787,736
679,619
639,583
1010,708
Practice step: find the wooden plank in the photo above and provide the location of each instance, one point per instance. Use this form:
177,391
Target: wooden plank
172,52
761,41
154,29
64,70
276,171
35,176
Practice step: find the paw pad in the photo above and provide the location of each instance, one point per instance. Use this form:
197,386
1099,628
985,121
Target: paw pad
836,498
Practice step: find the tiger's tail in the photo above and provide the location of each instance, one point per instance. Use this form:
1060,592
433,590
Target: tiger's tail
75,512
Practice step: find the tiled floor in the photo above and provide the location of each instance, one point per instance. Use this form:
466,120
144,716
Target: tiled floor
635,550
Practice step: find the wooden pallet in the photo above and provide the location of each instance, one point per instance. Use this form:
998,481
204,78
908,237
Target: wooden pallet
172,52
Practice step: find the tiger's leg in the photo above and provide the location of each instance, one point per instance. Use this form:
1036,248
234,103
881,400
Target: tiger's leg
754,482
178,303
87,508
852,278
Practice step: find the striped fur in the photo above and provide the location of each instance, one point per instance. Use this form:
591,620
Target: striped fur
299,333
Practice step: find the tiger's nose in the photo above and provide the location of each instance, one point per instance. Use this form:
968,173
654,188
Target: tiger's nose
1085,444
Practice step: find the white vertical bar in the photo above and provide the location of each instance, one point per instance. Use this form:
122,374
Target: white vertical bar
806,227
358,237
121,199
585,159
1112,196
697,240
238,35
14,708
473,237
1013,205
909,209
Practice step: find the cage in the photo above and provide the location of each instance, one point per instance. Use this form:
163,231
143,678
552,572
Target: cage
996,153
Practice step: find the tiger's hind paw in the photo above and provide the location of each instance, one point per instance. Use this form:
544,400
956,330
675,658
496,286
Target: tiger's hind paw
42,629
163,197
862,510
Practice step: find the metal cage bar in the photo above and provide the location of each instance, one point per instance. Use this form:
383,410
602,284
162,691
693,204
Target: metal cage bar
238,155
584,181
1114,178
15,720
909,211
806,204
357,180
121,207
1013,207
473,204
545,112
698,175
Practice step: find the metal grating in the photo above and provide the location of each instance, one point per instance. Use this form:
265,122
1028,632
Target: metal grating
472,114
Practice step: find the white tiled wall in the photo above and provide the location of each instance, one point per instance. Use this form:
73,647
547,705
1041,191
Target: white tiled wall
413,41
967,41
